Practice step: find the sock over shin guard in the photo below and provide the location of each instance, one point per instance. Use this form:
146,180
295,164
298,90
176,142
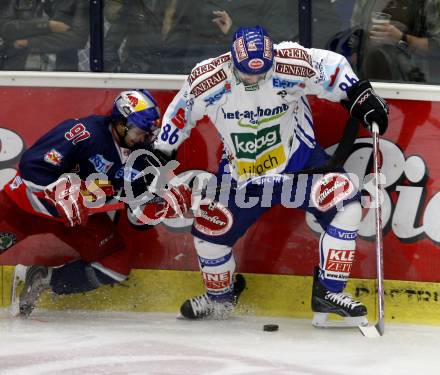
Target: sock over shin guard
337,247
217,264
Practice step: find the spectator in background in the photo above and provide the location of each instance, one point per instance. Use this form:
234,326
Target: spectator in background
133,43
326,21
404,48
37,28
112,10
211,24
3,7
171,36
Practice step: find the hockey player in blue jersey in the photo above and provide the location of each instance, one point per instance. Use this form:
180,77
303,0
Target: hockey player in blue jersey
256,97
53,182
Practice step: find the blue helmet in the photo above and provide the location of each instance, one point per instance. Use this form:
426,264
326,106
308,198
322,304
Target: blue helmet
252,50
137,108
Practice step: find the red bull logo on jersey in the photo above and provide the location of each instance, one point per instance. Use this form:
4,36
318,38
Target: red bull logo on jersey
53,157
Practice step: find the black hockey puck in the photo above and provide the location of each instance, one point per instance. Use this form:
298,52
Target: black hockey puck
270,327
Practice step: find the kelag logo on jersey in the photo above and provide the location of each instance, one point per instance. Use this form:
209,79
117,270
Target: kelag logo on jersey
249,145
252,119
101,165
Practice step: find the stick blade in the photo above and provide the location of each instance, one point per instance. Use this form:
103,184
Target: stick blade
373,331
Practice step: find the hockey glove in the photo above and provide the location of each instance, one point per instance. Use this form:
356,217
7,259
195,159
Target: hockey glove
366,106
173,203
66,197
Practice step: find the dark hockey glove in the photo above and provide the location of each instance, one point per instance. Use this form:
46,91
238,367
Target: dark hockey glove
366,106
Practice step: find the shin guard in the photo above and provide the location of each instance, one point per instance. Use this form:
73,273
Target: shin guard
337,247
217,265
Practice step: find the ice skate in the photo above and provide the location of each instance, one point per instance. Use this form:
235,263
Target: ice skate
204,307
36,281
324,302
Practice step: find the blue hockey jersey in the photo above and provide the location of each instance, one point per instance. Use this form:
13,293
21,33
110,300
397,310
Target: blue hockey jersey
82,146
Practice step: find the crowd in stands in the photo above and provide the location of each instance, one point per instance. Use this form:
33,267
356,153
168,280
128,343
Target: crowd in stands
171,36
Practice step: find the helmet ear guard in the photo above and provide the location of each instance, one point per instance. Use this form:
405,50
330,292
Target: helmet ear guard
252,50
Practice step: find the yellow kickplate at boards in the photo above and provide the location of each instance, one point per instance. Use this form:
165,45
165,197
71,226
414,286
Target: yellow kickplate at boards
265,295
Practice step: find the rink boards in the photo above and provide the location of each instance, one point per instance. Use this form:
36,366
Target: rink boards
267,253
266,295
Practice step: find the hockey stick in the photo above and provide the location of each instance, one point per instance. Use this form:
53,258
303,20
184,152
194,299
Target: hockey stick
378,328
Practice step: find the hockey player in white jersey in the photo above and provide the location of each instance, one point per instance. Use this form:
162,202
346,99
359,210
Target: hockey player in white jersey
255,95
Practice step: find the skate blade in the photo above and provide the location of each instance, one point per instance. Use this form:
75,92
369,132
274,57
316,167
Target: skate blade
18,279
321,320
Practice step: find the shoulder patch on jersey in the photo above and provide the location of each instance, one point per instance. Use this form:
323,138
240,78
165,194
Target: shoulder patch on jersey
294,70
294,53
208,67
209,83
53,157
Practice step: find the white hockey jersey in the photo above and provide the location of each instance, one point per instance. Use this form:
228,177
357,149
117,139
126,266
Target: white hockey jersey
266,128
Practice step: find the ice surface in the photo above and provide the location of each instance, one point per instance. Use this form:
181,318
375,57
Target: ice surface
82,343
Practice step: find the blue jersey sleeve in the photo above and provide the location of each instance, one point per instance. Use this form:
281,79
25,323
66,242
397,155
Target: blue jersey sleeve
57,152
